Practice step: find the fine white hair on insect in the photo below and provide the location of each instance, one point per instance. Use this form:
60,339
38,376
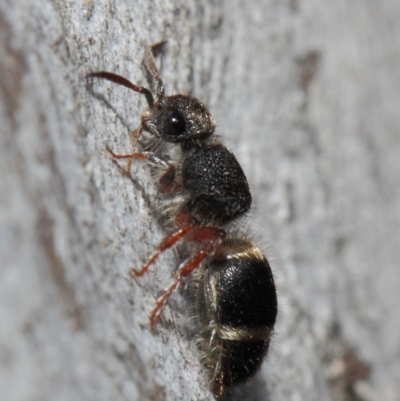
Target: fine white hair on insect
204,207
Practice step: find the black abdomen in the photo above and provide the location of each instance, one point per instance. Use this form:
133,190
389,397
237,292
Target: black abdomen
237,309
239,361
216,183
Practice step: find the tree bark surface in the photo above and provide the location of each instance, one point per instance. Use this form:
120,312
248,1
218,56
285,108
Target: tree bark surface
305,93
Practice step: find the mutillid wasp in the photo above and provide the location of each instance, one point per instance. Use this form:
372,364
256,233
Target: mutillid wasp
236,303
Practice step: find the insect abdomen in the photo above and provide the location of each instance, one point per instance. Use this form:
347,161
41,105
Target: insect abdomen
237,309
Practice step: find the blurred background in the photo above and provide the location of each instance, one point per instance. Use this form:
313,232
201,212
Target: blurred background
305,93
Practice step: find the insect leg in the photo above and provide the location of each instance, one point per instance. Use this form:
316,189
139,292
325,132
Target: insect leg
167,179
214,237
169,241
185,222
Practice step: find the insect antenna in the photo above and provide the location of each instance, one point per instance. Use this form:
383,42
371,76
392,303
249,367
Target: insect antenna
151,67
124,82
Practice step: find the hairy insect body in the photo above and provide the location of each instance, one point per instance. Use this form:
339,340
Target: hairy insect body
236,304
236,310
218,188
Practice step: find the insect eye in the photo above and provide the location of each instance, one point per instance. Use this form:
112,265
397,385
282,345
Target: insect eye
177,123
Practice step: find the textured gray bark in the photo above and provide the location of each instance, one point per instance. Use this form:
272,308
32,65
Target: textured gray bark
305,92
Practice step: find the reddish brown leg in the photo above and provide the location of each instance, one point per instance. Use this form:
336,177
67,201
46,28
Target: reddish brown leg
185,222
167,180
130,157
170,240
134,135
213,237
